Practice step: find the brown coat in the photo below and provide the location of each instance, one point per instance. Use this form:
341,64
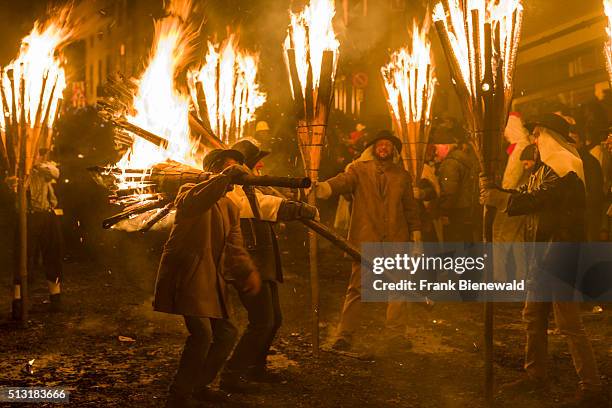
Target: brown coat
203,253
389,215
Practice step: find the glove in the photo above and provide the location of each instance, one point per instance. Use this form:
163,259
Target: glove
12,182
322,190
236,173
296,210
484,182
418,193
495,198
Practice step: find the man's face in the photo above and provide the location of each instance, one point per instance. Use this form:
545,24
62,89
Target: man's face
229,162
442,151
383,150
258,167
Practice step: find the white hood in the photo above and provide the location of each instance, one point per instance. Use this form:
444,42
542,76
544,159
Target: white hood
558,154
516,134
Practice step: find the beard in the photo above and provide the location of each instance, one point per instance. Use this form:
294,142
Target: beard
388,157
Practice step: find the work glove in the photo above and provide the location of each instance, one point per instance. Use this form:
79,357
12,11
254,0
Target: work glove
322,189
495,198
418,193
12,182
296,210
236,173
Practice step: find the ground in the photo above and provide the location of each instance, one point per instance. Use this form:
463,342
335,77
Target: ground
81,349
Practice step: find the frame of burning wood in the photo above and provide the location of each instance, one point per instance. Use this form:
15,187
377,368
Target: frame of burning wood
409,84
21,138
312,111
484,39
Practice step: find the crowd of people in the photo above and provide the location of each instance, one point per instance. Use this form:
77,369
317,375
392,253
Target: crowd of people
555,187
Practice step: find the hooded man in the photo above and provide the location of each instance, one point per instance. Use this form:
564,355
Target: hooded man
384,210
259,208
203,254
554,201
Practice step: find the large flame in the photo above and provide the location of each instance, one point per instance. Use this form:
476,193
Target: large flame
608,46
42,73
229,82
409,78
310,34
159,107
504,16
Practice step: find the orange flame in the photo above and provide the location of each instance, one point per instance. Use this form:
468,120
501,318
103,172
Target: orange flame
608,45
228,79
409,78
43,75
159,107
310,33
469,46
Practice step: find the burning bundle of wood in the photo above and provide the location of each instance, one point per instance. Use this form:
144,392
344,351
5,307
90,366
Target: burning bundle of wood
480,39
31,89
224,90
409,84
147,189
311,56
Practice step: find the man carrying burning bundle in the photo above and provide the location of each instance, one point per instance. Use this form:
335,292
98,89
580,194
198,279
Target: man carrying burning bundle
203,253
384,210
260,208
554,201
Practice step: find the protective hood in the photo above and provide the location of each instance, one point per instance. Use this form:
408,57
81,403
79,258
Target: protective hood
517,135
558,154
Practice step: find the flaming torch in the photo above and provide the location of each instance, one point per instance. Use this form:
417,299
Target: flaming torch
158,114
31,93
409,84
480,40
225,91
311,56
608,45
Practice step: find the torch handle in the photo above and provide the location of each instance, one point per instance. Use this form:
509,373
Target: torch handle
274,181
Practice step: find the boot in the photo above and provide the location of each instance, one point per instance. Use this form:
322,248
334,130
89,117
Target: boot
342,344
207,394
591,398
261,374
181,401
56,303
237,383
526,385
16,309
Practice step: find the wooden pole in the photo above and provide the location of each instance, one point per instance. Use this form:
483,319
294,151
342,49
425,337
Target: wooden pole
314,281
23,205
23,248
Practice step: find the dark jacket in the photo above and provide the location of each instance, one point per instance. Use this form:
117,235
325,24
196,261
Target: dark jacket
556,222
595,197
204,251
262,245
457,182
